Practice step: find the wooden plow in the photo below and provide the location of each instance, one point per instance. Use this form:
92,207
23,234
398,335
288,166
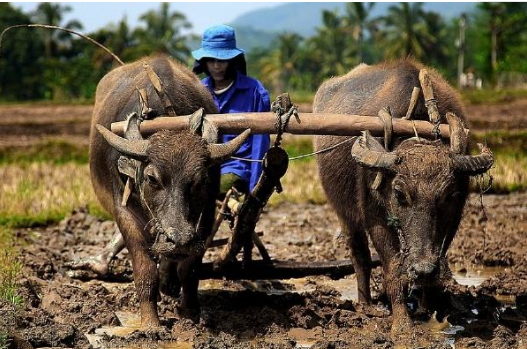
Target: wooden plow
284,119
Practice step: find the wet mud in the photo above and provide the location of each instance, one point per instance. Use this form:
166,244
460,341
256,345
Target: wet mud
487,308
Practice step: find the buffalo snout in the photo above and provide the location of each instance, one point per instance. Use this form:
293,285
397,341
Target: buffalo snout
175,243
423,271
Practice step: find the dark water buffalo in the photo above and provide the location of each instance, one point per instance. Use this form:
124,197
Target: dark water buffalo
176,177
412,215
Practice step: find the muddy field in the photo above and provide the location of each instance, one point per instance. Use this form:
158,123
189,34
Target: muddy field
485,306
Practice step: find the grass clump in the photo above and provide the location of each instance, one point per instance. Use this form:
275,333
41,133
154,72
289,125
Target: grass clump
509,172
41,192
9,268
10,300
52,151
492,96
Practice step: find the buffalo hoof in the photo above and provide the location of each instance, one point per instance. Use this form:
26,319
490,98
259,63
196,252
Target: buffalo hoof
95,264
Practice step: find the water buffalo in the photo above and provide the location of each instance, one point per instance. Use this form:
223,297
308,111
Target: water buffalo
176,177
412,214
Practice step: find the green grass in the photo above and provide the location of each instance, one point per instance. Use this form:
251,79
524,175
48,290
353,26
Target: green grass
10,300
42,192
42,185
54,151
492,96
509,171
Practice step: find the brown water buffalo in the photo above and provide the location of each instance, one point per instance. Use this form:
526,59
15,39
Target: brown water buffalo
412,214
175,176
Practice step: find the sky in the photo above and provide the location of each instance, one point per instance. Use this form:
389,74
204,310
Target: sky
95,15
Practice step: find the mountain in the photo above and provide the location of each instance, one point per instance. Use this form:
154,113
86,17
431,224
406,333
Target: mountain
304,18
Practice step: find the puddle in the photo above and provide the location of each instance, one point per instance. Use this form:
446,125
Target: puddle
475,277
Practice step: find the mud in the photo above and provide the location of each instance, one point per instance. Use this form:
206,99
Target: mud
314,312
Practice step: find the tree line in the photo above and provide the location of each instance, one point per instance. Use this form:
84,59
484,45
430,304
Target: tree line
40,64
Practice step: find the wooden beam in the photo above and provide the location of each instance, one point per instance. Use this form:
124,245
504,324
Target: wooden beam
310,124
262,270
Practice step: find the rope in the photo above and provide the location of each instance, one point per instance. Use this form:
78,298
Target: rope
284,108
304,155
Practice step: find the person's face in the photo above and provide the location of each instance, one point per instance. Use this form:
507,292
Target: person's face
217,69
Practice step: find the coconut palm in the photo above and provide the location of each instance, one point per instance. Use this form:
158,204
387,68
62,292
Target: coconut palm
277,67
53,14
330,44
406,33
162,32
356,22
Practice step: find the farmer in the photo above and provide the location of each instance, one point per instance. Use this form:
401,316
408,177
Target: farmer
233,91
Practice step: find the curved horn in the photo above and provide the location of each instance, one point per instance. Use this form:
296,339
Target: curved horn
221,152
370,153
135,149
474,165
458,134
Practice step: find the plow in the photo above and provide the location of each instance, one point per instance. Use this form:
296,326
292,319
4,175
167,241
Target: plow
283,119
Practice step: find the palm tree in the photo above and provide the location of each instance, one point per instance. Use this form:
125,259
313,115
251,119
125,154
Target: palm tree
163,33
406,32
331,44
53,14
278,67
356,23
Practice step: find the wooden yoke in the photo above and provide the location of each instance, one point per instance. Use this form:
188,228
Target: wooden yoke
308,124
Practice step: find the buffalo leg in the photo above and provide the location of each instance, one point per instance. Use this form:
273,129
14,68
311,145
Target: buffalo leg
100,263
361,259
168,280
187,272
395,283
144,267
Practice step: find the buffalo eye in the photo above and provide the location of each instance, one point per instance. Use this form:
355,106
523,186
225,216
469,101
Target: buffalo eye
151,177
399,195
152,180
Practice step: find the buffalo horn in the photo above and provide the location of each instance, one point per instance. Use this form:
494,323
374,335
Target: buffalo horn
221,152
370,153
474,165
458,134
134,149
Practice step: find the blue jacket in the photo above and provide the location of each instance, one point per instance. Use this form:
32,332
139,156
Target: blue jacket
246,95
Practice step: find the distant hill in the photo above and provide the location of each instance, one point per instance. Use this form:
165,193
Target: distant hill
258,27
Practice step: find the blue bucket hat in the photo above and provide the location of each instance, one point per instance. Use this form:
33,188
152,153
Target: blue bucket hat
218,42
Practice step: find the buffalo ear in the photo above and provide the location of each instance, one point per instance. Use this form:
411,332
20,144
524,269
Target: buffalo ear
221,152
135,149
368,152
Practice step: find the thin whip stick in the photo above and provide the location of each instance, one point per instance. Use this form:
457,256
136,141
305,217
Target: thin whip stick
47,26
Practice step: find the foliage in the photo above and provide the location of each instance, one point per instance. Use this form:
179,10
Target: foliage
53,65
20,58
